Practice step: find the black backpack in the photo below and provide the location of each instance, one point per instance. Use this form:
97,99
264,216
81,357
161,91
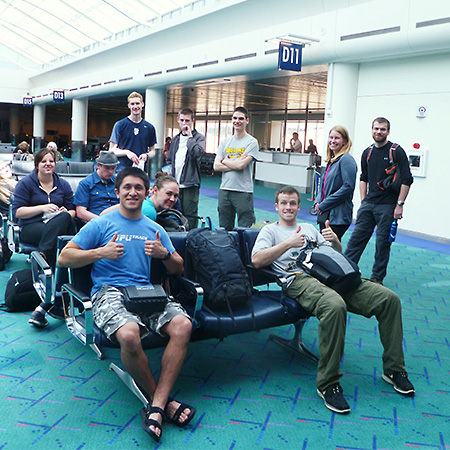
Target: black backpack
330,267
172,220
20,295
218,268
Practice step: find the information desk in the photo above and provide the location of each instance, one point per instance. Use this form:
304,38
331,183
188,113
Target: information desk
276,169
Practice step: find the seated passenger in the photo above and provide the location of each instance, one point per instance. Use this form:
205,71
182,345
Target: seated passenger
43,205
164,196
114,243
52,146
95,193
278,244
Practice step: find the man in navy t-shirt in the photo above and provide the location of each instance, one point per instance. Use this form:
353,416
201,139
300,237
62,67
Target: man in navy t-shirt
121,245
133,139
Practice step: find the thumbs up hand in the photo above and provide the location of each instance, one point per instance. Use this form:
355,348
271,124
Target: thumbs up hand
155,249
112,250
327,233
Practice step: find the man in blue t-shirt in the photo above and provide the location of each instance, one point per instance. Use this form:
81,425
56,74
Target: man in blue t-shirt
121,245
133,139
96,192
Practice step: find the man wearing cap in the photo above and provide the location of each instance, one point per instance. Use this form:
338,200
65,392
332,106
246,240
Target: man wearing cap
95,193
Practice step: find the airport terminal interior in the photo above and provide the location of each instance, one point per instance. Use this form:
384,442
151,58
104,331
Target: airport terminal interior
67,70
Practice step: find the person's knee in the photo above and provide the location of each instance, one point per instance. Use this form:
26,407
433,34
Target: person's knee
129,337
179,328
332,307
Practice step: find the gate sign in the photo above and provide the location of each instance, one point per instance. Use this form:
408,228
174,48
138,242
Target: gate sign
27,101
290,56
58,95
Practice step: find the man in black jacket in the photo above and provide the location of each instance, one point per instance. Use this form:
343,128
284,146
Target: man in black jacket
379,207
185,154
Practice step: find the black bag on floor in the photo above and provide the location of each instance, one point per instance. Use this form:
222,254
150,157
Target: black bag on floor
218,268
20,295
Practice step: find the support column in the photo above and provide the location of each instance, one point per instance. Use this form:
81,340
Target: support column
38,126
14,125
79,127
342,90
155,113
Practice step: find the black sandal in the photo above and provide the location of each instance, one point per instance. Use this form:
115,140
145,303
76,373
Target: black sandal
175,419
147,423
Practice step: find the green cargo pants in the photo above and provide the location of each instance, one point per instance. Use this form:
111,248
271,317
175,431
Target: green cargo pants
331,309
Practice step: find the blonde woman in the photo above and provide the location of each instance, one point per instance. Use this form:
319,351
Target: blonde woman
334,202
7,186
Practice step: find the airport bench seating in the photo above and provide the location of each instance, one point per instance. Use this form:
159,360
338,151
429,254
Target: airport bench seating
269,308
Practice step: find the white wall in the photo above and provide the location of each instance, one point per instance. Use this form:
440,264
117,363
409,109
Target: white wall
394,89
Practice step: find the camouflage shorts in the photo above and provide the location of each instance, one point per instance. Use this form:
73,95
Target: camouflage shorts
110,314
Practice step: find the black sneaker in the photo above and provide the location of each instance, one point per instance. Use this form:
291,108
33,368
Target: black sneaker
38,319
334,399
376,281
400,382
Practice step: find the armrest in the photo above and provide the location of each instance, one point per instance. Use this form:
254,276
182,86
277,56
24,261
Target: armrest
42,277
13,236
272,276
187,291
77,303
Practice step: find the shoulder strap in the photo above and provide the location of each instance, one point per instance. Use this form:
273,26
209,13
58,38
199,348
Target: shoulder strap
392,153
370,152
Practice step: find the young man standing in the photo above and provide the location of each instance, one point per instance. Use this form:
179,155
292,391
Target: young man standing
379,207
278,245
133,139
114,243
235,158
296,145
186,150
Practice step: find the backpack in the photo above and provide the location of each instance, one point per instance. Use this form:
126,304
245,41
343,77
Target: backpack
20,295
330,267
172,220
218,268
393,180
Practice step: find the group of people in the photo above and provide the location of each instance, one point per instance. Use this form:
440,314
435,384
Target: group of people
120,232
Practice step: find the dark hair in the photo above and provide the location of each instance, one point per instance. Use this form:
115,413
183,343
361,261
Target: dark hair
382,120
242,110
287,190
133,172
40,154
187,112
161,178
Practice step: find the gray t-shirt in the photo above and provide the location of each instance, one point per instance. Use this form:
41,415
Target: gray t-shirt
274,234
234,148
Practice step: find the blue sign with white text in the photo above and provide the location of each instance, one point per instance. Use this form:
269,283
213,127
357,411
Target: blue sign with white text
58,96
28,101
290,56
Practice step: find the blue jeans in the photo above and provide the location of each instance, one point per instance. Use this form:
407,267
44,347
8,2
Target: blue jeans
371,215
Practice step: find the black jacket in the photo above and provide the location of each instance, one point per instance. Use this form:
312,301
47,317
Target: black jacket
190,176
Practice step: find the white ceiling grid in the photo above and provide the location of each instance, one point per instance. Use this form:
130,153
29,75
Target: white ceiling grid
46,31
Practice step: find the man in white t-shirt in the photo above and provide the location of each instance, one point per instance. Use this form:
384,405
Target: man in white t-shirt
296,145
234,159
186,150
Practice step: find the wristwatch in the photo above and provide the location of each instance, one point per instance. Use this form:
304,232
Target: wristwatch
400,203
166,256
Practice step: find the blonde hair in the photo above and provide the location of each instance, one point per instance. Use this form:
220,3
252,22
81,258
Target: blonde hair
135,94
7,185
345,148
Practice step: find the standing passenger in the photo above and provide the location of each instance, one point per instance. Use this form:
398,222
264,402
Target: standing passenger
378,207
235,158
296,145
334,202
185,154
133,139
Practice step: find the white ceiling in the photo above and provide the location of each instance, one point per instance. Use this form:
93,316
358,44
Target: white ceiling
35,33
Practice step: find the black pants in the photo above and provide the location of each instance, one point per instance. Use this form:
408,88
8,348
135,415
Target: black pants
44,235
